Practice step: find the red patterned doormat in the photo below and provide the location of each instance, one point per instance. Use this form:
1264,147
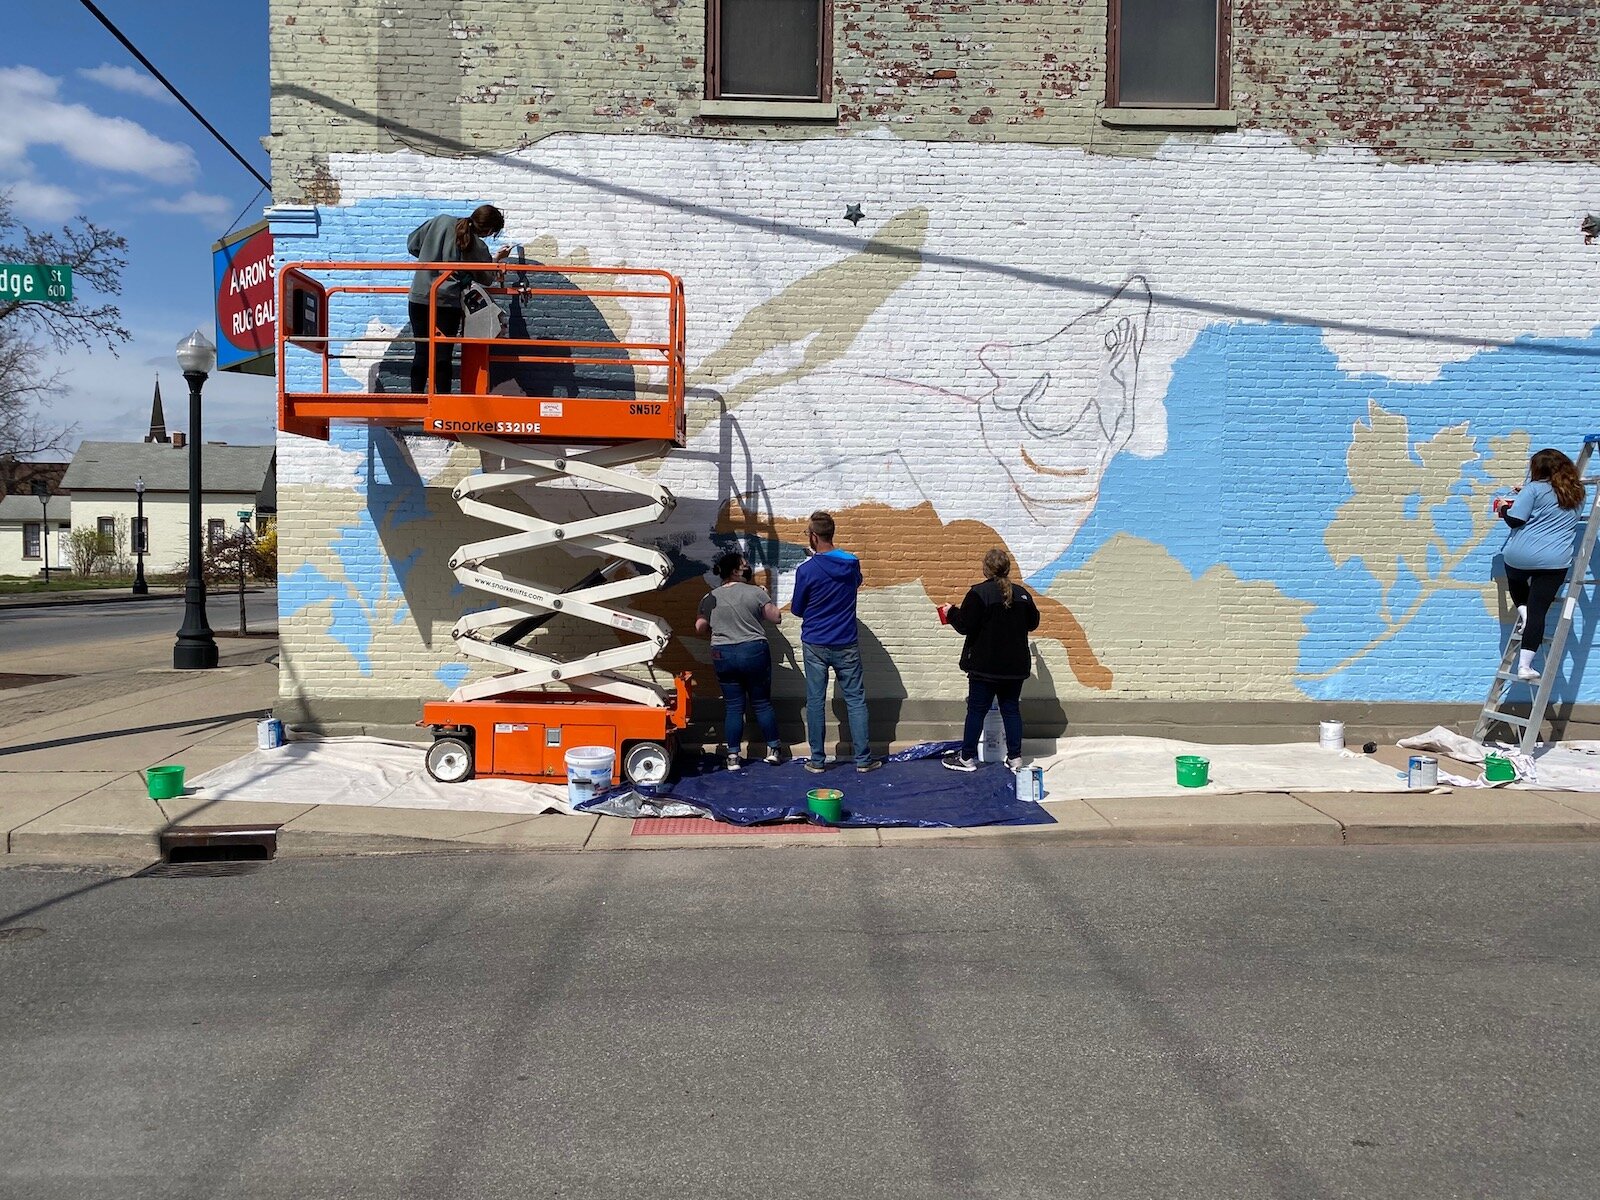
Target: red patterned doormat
693,826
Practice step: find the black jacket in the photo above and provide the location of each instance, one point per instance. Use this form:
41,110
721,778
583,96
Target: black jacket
997,636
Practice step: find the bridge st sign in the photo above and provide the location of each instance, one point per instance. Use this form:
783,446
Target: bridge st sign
33,283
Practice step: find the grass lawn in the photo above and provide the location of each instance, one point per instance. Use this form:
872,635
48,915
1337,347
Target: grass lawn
24,585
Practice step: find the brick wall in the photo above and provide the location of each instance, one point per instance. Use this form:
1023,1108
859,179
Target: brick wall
1236,401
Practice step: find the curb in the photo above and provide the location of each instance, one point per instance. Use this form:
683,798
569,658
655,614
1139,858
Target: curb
62,599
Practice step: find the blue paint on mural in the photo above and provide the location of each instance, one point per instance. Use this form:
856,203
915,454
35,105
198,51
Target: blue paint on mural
1255,471
452,675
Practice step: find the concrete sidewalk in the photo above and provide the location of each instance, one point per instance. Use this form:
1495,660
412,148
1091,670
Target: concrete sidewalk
72,787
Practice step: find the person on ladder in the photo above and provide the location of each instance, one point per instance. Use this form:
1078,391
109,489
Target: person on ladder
1539,549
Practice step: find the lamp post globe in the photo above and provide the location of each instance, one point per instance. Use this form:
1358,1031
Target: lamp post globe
140,587
196,648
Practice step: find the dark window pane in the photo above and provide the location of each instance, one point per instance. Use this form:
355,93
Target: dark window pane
770,48
30,541
1167,53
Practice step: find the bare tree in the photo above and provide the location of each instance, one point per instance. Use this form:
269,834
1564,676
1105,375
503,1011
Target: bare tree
28,328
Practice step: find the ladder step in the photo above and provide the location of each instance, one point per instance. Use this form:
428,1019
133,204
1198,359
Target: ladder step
1505,717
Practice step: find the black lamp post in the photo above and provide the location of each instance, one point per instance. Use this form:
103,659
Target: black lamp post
197,647
140,587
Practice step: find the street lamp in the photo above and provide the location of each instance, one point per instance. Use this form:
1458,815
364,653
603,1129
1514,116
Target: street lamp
244,545
140,587
41,491
196,648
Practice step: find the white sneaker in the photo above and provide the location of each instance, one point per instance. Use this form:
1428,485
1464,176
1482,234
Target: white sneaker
1522,616
1528,675
1014,764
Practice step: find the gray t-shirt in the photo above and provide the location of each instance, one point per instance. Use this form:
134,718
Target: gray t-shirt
734,610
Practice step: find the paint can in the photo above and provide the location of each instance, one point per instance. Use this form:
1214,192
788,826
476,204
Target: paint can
1422,771
1330,735
269,733
1030,784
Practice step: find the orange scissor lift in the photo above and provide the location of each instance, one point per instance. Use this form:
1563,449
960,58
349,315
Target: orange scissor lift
520,723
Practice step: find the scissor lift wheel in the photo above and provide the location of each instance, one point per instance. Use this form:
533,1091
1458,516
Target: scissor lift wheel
450,760
646,762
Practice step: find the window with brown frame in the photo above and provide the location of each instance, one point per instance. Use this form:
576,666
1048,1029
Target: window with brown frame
769,49
30,539
1168,53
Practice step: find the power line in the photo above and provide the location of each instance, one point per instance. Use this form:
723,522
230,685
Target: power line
179,96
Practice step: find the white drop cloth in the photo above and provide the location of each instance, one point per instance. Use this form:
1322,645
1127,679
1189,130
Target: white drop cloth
371,773
1091,768
1565,766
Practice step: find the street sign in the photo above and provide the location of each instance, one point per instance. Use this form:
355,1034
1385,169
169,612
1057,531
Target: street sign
244,516
39,284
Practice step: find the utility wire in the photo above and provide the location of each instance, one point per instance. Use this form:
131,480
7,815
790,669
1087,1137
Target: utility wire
179,96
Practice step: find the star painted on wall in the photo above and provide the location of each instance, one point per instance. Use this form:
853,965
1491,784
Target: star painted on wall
853,213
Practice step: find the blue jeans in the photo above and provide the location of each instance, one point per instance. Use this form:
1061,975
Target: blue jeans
845,662
981,693
744,669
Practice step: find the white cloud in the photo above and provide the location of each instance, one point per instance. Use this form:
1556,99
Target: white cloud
35,201
36,116
126,79
196,204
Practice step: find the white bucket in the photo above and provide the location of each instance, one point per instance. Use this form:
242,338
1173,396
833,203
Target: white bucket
589,770
992,745
1331,735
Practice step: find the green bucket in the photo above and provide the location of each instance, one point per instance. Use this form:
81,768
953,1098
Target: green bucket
164,783
1193,771
826,805
1498,769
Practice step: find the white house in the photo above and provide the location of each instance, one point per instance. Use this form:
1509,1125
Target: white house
102,481
23,536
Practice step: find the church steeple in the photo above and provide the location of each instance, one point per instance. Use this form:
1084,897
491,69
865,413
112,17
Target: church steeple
158,419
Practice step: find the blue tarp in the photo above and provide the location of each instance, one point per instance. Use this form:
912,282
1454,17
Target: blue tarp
912,791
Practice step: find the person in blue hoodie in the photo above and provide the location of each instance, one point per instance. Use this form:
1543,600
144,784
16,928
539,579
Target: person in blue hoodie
825,588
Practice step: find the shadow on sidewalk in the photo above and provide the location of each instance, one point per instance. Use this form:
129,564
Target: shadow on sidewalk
202,724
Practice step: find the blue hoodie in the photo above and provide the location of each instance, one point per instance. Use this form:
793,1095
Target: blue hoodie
825,587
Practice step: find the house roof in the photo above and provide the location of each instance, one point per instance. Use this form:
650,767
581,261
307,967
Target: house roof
113,466
26,508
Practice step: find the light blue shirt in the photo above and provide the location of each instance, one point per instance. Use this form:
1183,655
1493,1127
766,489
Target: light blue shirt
1547,541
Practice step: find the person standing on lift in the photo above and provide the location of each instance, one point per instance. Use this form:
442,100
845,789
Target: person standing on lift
445,239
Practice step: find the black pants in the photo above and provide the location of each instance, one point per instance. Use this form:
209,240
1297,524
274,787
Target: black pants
450,326
1536,589
981,693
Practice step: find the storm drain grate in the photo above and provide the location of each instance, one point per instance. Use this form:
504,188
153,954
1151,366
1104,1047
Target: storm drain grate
211,851
693,826
202,870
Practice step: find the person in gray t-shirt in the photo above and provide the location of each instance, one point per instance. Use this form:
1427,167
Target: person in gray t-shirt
445,239
735,614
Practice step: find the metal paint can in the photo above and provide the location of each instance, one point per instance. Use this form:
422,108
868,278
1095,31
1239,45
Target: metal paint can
1330,735
269,733
1030,784
1422,772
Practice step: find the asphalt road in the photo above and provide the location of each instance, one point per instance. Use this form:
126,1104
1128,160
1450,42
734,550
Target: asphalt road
70,624
941,1022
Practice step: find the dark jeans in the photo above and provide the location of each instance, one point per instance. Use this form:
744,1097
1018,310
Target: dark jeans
981,693
1536,589
845,663
449,326
744,669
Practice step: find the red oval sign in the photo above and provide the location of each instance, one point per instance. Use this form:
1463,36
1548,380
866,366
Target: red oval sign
247,305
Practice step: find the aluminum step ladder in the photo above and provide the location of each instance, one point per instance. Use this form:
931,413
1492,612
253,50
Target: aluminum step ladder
1578,577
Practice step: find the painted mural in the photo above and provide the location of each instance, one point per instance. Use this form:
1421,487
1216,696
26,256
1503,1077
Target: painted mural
1239,455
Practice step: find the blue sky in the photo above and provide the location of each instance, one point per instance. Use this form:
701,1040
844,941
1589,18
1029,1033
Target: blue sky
87,132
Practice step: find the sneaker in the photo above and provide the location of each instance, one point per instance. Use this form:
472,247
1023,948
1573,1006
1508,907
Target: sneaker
1014,764
956,761
776,755
1528,675
1522,617
863,768
816,768
734,762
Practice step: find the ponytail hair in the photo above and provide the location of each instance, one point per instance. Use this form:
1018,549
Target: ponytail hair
486,221
1561,473
997,566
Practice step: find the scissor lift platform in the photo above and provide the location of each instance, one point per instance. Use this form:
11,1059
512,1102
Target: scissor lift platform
507,726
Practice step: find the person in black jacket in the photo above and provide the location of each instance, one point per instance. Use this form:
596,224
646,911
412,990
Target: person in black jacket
997,616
